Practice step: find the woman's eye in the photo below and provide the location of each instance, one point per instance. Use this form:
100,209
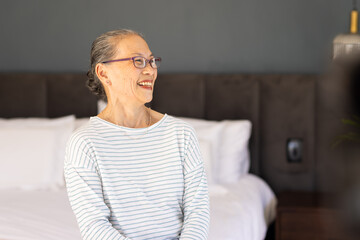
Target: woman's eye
139,61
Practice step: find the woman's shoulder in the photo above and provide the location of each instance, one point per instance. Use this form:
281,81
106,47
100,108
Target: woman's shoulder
82,133
179,123
169,120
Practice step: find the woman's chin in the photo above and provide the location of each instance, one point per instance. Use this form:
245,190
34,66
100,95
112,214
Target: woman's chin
147,99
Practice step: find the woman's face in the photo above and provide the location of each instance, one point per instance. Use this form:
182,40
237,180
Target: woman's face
128,83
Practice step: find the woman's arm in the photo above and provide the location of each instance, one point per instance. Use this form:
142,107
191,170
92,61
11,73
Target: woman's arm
85,193
196,197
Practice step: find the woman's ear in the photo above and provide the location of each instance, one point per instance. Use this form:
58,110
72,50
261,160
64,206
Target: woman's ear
102,74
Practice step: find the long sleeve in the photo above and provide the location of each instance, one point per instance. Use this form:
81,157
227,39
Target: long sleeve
85,193
196,197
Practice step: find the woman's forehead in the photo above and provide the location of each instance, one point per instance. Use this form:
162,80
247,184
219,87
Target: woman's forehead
133,45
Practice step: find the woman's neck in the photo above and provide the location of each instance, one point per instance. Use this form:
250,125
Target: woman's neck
132,116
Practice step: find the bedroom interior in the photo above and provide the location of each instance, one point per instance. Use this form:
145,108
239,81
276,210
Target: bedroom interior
294,95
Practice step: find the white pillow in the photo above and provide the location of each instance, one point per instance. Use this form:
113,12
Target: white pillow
101,104
32,152
234,150
208,132
207,156
80,122
229,143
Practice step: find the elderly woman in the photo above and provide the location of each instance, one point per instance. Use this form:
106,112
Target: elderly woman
132,172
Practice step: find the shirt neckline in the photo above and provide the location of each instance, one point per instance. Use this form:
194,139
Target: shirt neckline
128,128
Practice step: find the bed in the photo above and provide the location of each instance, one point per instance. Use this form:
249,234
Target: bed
241,210
38,112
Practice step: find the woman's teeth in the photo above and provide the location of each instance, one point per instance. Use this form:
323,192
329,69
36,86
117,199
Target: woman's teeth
145,83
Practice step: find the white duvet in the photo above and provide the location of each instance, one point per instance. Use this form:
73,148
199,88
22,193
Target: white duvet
240,210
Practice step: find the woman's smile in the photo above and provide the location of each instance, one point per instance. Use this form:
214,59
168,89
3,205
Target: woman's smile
146,84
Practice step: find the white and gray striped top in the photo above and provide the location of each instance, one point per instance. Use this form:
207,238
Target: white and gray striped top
127,183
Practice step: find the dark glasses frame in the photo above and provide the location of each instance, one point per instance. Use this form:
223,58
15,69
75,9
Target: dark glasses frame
151,61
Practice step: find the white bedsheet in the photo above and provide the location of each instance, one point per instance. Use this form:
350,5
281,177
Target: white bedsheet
27,215
241,210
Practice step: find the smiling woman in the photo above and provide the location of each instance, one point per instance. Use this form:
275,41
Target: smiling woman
121,71
132,172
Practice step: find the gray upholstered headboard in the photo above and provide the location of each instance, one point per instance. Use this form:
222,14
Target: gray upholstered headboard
280,107
45,95
212,97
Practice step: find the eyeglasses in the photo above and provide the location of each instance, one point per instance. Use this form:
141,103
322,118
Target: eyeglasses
140,62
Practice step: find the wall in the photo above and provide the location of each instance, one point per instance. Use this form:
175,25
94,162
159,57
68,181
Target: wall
257,36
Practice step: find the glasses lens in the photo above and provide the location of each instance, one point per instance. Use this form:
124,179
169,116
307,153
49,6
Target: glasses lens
155,62
139,62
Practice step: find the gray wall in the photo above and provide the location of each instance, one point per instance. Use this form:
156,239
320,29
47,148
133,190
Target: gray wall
255,36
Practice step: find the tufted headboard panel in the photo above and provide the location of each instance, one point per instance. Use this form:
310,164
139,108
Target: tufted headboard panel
280,107
45,95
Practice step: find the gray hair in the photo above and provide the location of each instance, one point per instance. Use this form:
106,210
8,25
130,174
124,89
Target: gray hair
103,49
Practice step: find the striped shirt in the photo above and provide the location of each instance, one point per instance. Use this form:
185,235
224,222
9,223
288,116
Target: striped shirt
145,183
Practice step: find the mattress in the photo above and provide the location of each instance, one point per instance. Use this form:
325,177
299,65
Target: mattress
240,210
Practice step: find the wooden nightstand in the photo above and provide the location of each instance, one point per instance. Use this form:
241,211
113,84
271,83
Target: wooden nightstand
305,215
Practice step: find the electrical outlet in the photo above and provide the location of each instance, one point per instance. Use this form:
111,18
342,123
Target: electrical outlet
294,150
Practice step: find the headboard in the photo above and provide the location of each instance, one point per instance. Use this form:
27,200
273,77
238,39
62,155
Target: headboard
212,97
280,107
45,95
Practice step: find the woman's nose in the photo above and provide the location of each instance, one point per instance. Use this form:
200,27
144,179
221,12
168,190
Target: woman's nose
148,69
